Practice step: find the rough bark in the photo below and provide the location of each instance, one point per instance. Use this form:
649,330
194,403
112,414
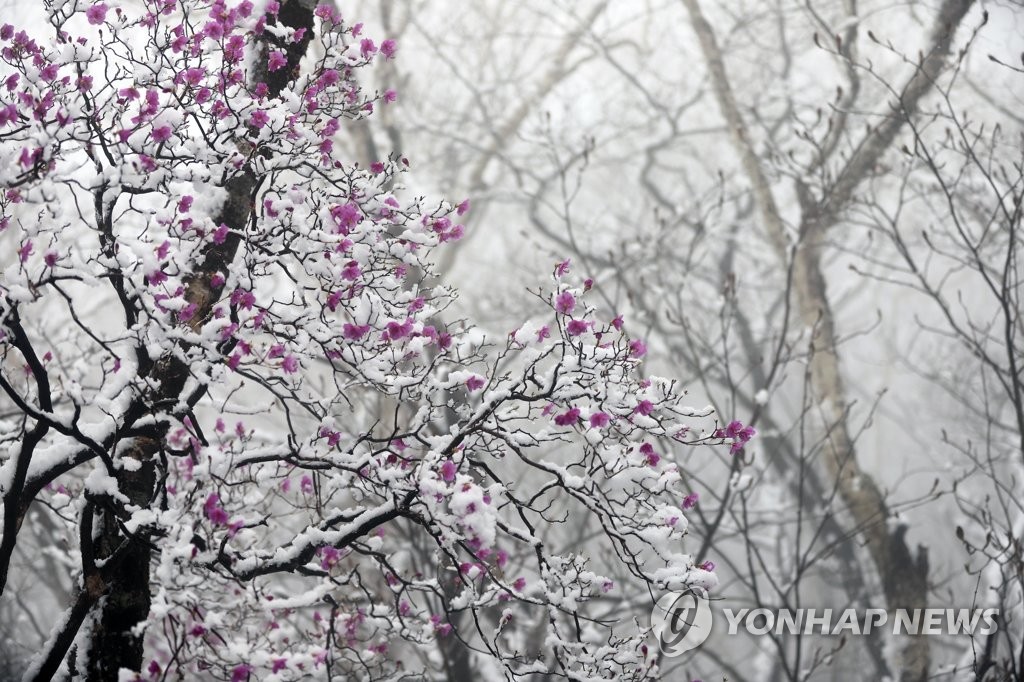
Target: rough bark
115,643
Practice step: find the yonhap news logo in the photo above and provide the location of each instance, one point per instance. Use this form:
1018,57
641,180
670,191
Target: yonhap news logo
681,621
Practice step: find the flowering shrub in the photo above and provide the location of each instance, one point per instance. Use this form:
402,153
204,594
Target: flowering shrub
234,384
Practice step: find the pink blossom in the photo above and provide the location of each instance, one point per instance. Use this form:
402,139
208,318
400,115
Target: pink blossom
562,269
617,323
708,566
354,332
568,418
599,420
278,664
644,407
241,672
213,511
388,48
96,14
25,251
475,383
462,208
647,450
258,118
448,470
565,303
690,501
367,47
390,95
519,585
290,364
578,327
220,234
351,271
277,61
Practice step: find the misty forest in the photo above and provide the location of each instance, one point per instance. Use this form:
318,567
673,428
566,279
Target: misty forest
438,340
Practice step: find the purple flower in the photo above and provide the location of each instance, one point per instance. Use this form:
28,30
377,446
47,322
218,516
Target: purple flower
354,332
637,348
290,364
690,501
96,14
599,420
733,429
367,47
644,407
448,470
220,234
708,566
241,672
577,327
277,61
161,134
475,383
562,269
647,450
565,303
568,418
388,48
258,118
213,511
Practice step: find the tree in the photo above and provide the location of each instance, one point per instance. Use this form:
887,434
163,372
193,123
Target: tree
232,395
758,138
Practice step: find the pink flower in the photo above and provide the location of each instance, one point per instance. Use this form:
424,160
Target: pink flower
617,323
161,134
258,118
448,470
519,585
277,61
241,672
354,332
543,333
278,664
644,407
220,234
390,95
96,14
25,251
637,348
599,420
367,47
399,330
648,452
290,364
565,303
562,269
213,511
708,566
577,327
568,418
475,383
388,48
351,271
690,501
462,208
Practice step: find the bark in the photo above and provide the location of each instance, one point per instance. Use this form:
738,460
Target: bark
116,643
903,574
